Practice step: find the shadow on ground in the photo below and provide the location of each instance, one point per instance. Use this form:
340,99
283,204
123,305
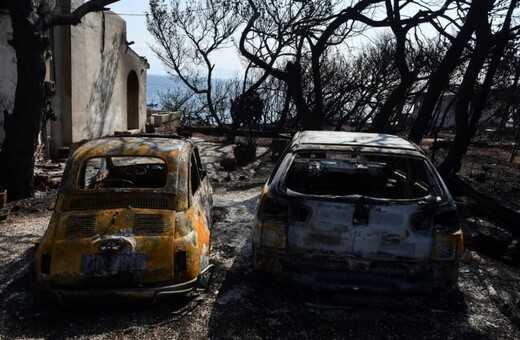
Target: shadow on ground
251,306
27,317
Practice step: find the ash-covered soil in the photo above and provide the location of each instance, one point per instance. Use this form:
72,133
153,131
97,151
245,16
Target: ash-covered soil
241,305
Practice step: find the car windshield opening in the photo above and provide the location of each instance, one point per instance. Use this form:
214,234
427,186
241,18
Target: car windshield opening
386,176
123,172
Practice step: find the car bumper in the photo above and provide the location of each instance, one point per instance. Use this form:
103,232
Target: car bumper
352,274
63,296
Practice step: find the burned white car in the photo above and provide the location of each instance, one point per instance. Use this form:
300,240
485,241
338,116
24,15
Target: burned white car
357,211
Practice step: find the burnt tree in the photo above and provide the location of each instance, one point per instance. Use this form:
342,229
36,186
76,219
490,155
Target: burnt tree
439,78
30,21
187,35
465,130
283,39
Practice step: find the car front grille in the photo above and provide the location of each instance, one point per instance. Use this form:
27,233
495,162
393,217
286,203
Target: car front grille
149,224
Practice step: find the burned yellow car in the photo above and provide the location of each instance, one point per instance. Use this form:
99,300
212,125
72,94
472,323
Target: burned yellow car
132,219
357,212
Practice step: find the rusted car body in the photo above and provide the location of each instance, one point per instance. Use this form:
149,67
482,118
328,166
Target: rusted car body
357,212
132,219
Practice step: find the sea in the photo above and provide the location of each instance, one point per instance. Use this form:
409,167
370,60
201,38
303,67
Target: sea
156,84
162,83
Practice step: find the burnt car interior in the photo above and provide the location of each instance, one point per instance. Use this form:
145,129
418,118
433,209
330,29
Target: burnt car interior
354,173
123,172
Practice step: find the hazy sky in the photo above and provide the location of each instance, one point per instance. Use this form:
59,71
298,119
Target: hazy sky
227,62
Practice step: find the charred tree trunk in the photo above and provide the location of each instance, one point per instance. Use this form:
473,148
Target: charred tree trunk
283,115
317,112
396,99
30,20
439,79
398,95
308,120
462,108
23,125
466,131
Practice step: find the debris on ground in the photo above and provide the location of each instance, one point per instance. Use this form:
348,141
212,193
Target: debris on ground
243,305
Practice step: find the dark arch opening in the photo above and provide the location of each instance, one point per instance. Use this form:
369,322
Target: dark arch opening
132,101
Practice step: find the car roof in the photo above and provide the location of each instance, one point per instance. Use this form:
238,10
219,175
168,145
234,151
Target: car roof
362,139
136,145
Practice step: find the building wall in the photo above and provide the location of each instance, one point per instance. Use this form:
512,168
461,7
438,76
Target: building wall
8,72
92,102
448,103
90,64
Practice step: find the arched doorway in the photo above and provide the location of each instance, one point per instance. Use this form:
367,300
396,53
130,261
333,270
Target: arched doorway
132,101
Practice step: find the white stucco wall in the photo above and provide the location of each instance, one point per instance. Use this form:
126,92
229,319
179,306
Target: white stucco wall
92,61
100,63
449,120
8,70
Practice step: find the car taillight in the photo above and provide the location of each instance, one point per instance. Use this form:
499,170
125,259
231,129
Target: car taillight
275,209
274,214
274,235
448,241
447,221
447,246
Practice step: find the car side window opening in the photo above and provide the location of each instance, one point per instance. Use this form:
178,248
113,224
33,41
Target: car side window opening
354,173
202,171
123,172
194,172
94,169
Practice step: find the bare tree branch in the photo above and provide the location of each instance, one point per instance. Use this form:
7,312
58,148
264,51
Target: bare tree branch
75,17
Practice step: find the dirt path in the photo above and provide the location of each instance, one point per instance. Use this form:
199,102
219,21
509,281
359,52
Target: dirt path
241,305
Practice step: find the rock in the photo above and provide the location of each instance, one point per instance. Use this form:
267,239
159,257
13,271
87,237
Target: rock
513,251
55,183
470,228
149,128
491,239
441,144
42,178
41,181
278,145
229,162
